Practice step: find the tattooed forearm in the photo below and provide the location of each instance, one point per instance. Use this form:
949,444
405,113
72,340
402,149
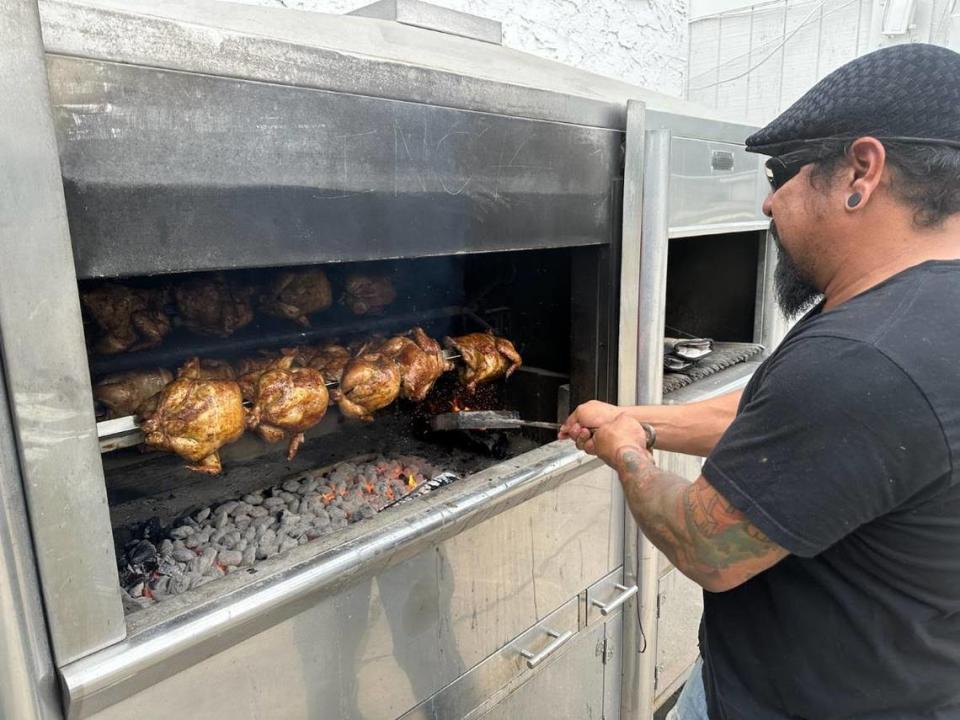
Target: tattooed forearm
703,535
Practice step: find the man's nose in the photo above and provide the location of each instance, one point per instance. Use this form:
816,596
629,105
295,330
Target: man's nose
768,205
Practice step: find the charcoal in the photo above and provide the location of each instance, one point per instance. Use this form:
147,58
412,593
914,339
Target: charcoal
202,515
143,552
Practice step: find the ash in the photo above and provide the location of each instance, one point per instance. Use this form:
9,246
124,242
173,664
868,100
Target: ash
218,540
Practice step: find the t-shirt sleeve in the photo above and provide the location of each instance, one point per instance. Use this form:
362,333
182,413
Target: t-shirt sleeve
833,436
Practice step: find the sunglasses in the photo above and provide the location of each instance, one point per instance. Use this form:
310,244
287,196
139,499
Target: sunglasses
780,170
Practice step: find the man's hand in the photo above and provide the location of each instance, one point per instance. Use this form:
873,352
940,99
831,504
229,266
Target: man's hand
590,415
623,435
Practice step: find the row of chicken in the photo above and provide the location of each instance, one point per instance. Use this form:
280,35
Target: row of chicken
130,318
211,402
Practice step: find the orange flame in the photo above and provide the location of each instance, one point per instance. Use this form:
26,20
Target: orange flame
411,482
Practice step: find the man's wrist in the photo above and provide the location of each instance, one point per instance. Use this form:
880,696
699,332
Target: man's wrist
632,460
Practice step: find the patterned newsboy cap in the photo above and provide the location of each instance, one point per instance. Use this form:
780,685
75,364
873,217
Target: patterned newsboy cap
907,92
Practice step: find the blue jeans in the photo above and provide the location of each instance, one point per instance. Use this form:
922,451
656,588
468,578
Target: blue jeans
692,703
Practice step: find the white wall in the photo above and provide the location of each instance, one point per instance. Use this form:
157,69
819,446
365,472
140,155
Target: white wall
643,42
755,60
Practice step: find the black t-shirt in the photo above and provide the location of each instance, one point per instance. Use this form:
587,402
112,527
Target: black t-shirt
842,452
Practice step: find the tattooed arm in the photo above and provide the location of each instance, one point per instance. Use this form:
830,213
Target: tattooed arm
703,535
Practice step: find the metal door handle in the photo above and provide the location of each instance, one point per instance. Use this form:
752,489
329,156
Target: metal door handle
625,594
534,659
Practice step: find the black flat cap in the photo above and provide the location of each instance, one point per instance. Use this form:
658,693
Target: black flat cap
910,92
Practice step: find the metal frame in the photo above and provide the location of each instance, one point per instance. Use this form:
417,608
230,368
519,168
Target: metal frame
41,338
28,686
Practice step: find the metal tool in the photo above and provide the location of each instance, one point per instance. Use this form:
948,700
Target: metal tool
486,420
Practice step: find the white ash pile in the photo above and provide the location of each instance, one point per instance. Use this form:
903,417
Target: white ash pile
215,541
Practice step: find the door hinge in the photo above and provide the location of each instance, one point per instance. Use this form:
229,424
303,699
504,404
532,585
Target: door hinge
601,651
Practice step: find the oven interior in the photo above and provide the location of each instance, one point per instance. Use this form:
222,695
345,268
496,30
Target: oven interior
546,302
712,293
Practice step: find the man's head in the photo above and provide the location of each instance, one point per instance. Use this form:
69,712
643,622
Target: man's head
868,161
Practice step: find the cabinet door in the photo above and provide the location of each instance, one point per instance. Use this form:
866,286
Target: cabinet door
570,687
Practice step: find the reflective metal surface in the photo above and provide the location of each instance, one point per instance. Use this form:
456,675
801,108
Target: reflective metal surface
348,54
680,602
628,374
571,687
43,351
170,172
639,667
520,539
499,674
770,325
605,592
433,17
28,680
707,196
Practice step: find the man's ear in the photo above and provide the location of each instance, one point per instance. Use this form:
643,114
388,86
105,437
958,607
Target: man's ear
867,159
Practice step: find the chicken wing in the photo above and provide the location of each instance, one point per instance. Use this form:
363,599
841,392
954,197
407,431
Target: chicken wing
128,318
421,362
368,294
370,382
288,401
195,418
295,295
212,306
486,357
124,392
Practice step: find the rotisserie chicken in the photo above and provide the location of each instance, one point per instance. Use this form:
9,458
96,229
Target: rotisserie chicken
370,382
195,418
421,362
330,360
124,392
128,318
248,370
288,400
211,369
295,295
212,306
486,357
368,294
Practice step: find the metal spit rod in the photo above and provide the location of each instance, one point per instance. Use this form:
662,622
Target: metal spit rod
123,432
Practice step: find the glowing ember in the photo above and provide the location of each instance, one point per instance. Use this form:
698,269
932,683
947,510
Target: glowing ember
216,541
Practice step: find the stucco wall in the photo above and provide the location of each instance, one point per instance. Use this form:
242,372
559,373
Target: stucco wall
643,42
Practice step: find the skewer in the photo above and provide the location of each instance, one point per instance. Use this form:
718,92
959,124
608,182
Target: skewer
123,432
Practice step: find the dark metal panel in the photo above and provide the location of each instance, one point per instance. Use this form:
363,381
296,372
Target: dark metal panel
168,172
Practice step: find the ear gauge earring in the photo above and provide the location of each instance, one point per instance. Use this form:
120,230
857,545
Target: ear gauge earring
854,200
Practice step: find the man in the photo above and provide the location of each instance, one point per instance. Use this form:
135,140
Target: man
825,528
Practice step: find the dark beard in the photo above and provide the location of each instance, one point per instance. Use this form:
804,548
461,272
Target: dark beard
795,292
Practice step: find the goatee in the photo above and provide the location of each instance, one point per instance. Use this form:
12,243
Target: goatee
795,291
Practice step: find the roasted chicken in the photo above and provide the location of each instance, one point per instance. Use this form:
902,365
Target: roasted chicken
295,295
330,360
212,306
486,357
128,318
370,382
421,362
194,418
368,294
248,370
124,392
211,369
288,400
